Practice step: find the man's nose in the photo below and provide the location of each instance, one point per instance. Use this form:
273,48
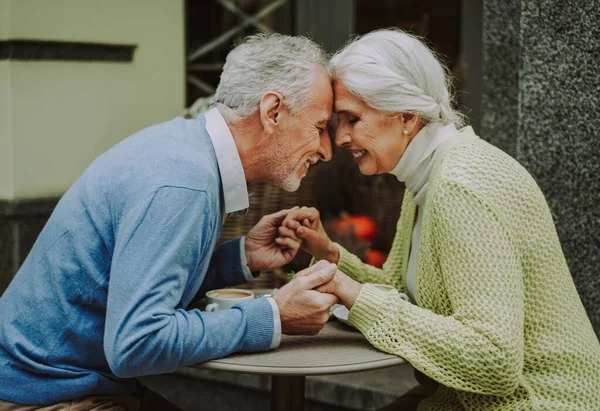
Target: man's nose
325,151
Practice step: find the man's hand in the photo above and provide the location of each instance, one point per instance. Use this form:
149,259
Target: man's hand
303,310
304,226
262,252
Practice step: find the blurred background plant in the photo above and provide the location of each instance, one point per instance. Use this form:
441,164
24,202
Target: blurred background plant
357,233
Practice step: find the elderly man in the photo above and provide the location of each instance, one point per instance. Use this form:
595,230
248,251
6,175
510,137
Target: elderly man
102,296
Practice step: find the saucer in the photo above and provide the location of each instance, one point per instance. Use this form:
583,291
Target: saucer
341,313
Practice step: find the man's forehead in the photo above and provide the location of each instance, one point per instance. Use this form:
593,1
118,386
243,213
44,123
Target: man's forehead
324,119
324,111
325,114
322,105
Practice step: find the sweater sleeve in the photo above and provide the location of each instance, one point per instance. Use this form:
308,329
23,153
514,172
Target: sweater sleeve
394,268
351,265
225,269
479,347
158,250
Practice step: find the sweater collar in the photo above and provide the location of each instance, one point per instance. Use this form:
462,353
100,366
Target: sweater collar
416,163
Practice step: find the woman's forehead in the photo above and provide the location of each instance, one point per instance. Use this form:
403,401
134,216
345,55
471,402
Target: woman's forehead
344,100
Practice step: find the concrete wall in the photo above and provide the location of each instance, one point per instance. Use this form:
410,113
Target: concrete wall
540,104
57,116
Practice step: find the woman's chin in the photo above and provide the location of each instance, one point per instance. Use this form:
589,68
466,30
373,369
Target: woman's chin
366,170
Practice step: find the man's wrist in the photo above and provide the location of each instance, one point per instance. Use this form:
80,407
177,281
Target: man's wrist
247,257
248,273
248,254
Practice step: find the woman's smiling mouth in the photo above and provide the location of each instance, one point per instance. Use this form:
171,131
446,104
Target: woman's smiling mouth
358,154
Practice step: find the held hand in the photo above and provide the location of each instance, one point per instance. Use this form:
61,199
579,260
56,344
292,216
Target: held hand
345,288
262,252
303,310
304,225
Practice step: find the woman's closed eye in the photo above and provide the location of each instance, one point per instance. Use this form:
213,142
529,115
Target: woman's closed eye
348,118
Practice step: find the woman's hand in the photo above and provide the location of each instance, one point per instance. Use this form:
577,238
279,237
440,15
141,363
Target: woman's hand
264,251
345,288
304,225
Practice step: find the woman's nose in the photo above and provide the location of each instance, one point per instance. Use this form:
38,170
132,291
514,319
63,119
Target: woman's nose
342,137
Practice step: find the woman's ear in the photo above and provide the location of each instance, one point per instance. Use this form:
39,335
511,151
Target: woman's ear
270,110
411,122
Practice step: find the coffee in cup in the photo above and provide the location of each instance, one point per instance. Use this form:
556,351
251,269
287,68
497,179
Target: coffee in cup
225,298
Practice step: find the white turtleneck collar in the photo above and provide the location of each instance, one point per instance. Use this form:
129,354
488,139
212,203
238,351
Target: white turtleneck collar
418,158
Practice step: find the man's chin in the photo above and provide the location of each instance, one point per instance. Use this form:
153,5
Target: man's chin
290,184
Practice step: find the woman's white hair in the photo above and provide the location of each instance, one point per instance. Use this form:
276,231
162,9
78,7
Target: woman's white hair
395,72
275,62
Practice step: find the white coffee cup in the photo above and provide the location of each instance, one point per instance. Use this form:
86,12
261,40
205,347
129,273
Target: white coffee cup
387,287
225,298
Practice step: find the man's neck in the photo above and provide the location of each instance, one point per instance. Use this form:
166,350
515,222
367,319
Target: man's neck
253,145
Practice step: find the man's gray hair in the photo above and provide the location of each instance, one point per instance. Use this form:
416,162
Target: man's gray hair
395,72
275,62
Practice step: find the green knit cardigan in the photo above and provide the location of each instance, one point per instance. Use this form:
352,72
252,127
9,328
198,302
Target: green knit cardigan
497,322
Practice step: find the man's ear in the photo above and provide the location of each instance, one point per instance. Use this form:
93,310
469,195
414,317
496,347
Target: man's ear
270,110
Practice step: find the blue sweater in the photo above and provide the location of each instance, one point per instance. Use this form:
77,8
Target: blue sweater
102,296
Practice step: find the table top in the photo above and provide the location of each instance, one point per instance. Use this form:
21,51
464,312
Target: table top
337,349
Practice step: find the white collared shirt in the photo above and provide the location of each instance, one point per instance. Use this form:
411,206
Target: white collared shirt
235,191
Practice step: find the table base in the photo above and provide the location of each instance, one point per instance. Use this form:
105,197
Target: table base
287,393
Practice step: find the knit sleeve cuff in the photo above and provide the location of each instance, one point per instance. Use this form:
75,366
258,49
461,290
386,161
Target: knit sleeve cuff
348,262
370,304
259,325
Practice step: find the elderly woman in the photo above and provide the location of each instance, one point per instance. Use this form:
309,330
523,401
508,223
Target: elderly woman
494,317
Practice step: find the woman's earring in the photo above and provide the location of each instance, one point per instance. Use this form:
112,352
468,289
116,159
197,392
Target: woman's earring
405,131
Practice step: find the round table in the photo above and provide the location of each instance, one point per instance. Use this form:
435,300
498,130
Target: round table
337,349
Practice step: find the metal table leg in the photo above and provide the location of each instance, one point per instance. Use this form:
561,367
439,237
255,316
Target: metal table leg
287,393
